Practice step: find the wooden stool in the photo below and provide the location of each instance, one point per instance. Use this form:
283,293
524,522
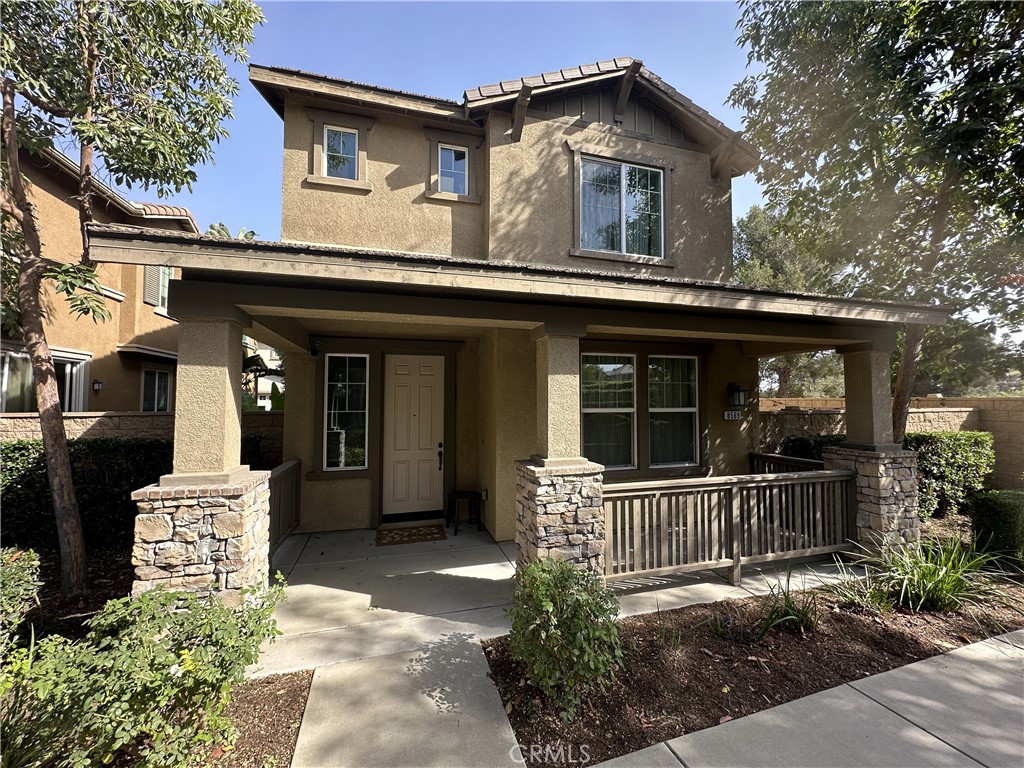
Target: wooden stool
475,499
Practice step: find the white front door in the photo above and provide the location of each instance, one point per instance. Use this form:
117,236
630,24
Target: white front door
413,434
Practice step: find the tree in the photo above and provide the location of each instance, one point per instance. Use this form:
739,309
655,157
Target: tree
894,131
766,258
141,84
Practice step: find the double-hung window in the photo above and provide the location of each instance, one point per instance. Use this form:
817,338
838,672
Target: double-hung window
453,169
156,390
341,153
639,411
17,387
621,208
345,407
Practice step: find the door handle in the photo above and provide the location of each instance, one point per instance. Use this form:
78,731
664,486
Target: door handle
440,457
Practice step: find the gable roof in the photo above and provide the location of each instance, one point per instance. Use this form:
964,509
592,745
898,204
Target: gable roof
69,167
274,83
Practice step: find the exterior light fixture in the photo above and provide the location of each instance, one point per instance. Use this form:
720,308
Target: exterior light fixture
97,385
738,395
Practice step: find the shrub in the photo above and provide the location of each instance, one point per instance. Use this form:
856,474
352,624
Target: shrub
951,466
862,593
809,446
787,609
105,471
19,581
149,684
563,629
939,575
998,522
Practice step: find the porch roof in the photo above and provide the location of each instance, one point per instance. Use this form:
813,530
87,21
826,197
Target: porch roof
478,278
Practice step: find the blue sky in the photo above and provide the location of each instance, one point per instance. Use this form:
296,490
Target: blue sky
441,49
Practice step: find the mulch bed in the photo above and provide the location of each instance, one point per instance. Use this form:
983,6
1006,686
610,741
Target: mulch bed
266,713
679,677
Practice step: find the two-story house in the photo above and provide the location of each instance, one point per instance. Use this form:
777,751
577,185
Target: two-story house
524,293
126,363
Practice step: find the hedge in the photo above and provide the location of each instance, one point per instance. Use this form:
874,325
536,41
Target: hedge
951,465
105,471
998,522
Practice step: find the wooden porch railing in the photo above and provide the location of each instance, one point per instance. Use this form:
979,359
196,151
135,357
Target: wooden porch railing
696,524
765,463
285,487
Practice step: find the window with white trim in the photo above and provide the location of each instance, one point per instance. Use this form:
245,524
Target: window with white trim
341,153
608,398
617,413
155,284
18,394
621,208
453,165
345,407
157,388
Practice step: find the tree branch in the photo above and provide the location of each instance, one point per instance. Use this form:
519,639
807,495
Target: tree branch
35,101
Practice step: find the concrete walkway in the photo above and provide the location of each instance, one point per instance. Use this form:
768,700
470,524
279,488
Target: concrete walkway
401,679
964,708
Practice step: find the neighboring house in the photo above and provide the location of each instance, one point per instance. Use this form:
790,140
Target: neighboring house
263,375
126,363
524,293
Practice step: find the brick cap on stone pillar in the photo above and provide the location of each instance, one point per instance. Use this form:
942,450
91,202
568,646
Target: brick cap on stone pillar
541,467
239,487
886,448
191,479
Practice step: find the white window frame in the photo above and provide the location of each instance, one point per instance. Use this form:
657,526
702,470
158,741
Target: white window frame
622,206
170,390
455,148
366,410
690,409
633,452
324,153
165,287
76,381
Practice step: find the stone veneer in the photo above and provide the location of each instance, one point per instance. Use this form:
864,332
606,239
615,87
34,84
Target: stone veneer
886,485
559,513
201,537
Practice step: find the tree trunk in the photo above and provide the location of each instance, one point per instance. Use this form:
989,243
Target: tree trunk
74,573
912,342
784,370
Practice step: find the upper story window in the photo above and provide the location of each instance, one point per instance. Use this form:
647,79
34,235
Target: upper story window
341,153
454,166
454,169
338,157
156,281
621,208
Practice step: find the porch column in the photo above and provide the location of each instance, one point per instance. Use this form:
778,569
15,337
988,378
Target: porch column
558,492
206,526
885,505
207,402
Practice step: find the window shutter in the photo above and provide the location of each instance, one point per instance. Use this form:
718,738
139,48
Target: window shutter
151,285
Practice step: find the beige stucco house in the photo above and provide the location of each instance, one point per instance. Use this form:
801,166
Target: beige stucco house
126,363
525,293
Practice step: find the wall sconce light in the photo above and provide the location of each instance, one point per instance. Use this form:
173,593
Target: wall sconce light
97,385
738,395
314,347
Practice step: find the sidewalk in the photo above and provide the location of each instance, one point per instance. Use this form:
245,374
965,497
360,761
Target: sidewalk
963,708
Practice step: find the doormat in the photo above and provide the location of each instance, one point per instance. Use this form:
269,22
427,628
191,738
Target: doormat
388,536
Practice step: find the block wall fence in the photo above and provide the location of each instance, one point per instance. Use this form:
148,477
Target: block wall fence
1002,416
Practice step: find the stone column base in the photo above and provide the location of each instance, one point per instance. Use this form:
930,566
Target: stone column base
559,513
203,537
886,485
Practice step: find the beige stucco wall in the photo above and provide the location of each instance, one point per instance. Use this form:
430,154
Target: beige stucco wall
396,215
131,320
729,442
531,208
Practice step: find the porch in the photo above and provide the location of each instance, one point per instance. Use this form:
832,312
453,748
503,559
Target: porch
349,599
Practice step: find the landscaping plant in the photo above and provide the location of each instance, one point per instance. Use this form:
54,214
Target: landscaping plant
564,631
787,609
937,575
19,581
997,518
950,466
864,593
149,683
